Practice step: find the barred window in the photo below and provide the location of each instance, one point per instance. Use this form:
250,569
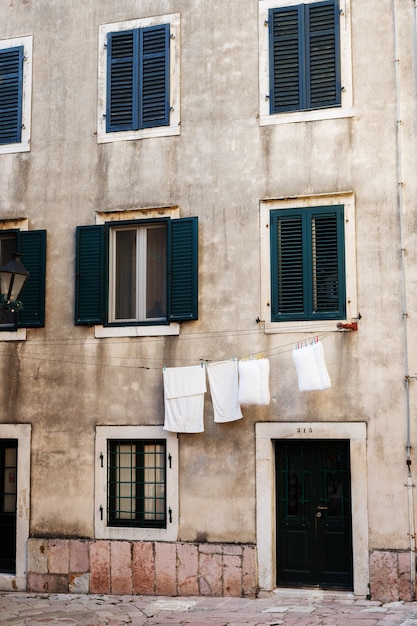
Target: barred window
136,483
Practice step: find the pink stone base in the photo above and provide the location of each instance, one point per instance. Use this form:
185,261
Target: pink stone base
389,574
136,567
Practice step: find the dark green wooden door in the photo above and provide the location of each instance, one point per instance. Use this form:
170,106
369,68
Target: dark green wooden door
314,529
8,495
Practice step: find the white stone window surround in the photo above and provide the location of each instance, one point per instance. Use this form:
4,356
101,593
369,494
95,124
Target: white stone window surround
27,43
21,432
266,206
173,328
266,433
17,224
102,531
346,108
174,79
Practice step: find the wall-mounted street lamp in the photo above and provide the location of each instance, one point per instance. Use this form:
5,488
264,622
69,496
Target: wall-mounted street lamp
13,277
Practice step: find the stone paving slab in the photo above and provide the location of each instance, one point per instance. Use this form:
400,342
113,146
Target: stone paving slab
284,607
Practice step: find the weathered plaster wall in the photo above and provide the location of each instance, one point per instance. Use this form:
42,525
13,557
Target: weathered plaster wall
64,382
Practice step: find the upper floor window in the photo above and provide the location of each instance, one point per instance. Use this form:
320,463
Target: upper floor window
307,264
305,71
15,94
32,245
304,57
137,272
139,79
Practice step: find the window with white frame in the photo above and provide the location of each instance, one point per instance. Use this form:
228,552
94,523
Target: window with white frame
308,262
137,483
15,94
305,61
137,272
139,79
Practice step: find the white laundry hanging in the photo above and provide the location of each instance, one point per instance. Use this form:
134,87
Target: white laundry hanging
311,367
184,389
254,381
223,380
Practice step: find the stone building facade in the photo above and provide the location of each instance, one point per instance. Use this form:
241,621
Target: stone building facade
197,186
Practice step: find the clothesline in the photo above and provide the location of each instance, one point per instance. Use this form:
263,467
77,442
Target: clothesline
233,383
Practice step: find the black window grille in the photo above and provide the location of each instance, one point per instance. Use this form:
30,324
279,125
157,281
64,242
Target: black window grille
136,483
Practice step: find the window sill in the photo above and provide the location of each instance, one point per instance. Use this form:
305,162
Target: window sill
13,335
10,148
311,327
102,332
305,116
129,135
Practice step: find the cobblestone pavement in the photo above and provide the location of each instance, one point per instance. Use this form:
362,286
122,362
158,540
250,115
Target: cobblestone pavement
307,608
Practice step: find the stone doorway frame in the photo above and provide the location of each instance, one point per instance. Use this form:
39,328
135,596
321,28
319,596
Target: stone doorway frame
266,433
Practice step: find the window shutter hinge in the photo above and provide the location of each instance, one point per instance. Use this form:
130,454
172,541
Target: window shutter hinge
170,461
101,459
341,12
170,515
266,23
101,513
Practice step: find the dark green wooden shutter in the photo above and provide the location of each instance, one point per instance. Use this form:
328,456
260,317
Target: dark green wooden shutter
288,271
154,76
122,81
326,229
323,55
304,51
32,245
307,264
286,59
11,81
90,260
183,277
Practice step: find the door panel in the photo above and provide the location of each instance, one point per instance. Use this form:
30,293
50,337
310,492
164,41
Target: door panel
8,495
314,534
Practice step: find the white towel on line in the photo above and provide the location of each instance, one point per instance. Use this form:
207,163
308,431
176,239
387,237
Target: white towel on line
223,380
184,389
254,382
311,367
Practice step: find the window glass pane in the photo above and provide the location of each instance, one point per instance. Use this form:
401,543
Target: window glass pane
125,275
156,261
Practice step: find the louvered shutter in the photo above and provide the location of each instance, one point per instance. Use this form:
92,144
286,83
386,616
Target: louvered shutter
288,270
183,275
122,81
323,87
304,49
90,264
307,264
154,76
11,81
285,50
32,245
327,262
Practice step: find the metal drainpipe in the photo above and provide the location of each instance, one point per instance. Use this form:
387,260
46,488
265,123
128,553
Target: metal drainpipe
411,525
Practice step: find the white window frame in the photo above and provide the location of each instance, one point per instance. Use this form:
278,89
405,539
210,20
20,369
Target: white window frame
174,79
21,432
346,108
102,531
27,43
299,202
